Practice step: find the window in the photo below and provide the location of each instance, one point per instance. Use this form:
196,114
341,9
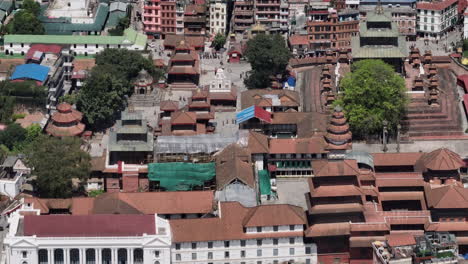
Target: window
156,253
177,246
259,242
291,251
74,256
259,229
226,244
122,255
210,244
242,242
291,227
194,245
308,261
308,250
259,252
259,262
106,256
275,252
291,241
275,228
138,255
226,254
85,45
242,253
177,257
58,256
24,253
275,241
194,256
275,262
210,255
22,45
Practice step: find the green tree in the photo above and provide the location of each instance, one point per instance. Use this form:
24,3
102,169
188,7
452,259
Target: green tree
32,132
372,92
32,6
68,98
7,104
268,56
219,41
12,136
123,24
25,22
55,162
102,96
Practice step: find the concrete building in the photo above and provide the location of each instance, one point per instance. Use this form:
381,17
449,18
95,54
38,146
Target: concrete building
12,175
69,239
465,27
218,17
78,45
262,234
436,18
273,14
243,15
159,17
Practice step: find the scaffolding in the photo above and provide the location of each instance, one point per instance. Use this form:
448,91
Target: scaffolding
182,176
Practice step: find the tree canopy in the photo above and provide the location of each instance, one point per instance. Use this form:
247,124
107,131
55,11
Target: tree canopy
55,162
123,23
372,93
13,135
219,41
268,56
104,93
25,21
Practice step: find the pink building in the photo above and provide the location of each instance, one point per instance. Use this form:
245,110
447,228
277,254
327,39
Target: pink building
159,17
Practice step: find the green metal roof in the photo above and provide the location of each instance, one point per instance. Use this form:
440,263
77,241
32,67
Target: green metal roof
6,6
62,26
365,32
376,52
114,18
375,17
130,37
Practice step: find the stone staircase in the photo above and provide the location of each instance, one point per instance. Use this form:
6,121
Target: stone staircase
423,120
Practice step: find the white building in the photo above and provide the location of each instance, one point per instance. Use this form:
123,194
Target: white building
218,17
221,83
67,239
265,234
12,176
435,18
465,28
78,45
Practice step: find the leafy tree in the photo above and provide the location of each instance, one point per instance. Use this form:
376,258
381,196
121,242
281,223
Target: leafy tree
25,22
219,41
102,96
268,56
32,132
7,104
55,162
68,98
32,6
372,92
123,24
12,136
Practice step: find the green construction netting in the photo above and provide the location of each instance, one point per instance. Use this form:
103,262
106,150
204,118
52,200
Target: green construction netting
181,176
264,180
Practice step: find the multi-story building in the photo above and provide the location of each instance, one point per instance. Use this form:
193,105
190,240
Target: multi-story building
243,15
111,238
403,13
159,17
436,18
218,17
195,20
180,8
332,30
168,17
272,13
262,234
465,26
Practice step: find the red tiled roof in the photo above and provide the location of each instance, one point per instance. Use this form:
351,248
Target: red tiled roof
182,70
335,168
299,40
258,143
365,242
89,225
396,240
314,144
396,159
326,230
447,226
400,196
60,131
230,223
55,49
436,5
441,159
448,196
358,227
183,118
398,179
336,190
336,208
169,105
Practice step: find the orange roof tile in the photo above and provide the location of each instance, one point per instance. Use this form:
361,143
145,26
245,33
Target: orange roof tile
326,230
314,144
448,196
441,159
296,39
396,240
396,159
335,168
169,105
258,143
336,208
336,190
183,118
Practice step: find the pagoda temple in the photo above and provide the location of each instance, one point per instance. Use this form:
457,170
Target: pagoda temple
338,134
379,38
184,65
65,122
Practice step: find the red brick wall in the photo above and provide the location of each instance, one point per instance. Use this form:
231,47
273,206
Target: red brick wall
143,184
336,258
112,185
130,183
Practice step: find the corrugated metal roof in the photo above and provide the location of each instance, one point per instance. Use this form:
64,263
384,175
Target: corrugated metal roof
6,5
30,71
192,144
372,52
119,6
114,18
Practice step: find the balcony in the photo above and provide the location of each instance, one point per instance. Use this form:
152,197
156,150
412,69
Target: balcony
243,21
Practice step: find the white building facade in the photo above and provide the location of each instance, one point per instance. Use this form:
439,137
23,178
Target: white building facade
434,19
218,17
132,249
465,25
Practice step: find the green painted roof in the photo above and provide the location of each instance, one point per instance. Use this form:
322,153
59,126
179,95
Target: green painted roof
130,37
62,26
374,17
376,52
114,18
365,32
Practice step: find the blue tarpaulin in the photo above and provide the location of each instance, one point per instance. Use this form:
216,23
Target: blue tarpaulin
30,71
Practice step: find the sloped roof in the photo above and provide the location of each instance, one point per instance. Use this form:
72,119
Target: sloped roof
258,143
335,168
326,230
182,118
336,190
234,163
441,159
30,71
255,96
447,196
88,225
310,145
230,223
403,239
396,159
169,105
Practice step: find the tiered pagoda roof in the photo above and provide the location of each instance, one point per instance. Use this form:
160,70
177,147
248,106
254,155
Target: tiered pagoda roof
65,122
338,134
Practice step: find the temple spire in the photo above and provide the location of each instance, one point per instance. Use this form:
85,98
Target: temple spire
379,9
